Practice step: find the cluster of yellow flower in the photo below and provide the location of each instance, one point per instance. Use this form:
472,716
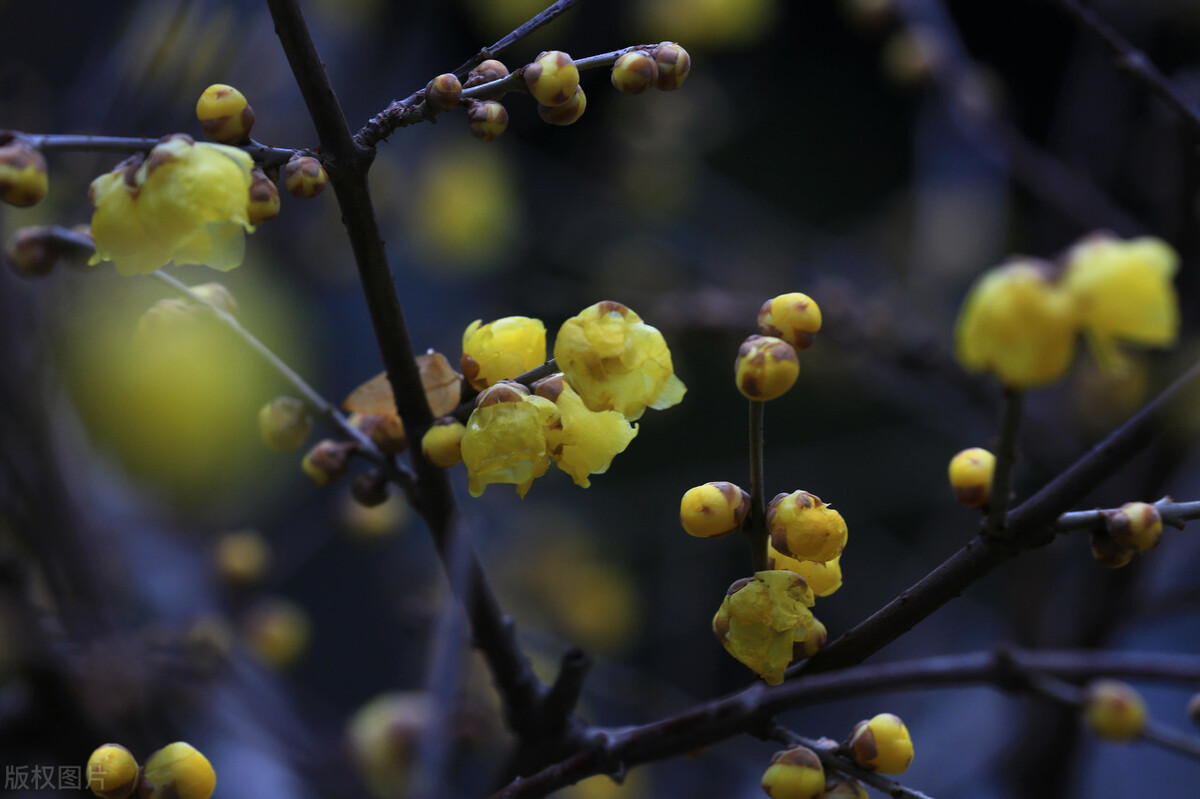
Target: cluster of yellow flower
879,744
177,770
1020,320
613,366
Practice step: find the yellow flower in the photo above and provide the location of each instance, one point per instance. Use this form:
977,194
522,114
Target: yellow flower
617,362
502,350
1123,290
587,440
1018,325
186,202
763,618
505,440
822,578
179,771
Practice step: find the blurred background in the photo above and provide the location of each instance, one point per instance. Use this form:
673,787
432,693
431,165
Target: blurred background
164,576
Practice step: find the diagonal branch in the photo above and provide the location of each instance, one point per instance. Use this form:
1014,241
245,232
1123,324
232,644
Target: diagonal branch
347,164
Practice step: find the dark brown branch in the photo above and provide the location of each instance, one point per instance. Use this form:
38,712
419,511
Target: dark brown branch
261,153
1135,62
347,164
722,718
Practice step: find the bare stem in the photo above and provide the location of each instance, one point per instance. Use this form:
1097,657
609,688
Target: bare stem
756,525
261,153
1006,456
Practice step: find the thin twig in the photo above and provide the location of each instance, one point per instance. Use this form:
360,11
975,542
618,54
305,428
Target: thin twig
1174,514
261,153
1006,456
539,20
756,525
1135,62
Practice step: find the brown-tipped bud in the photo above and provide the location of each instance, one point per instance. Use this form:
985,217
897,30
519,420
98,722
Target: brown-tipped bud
487,119
765,368
34,251
839,786
551,387
444,92
1137,525
264,198
284,423
1108,552
881,744
552,78
794,773
793,317
217,295
225,115
815,636
386,431
369,488
714,509
486,72
673,63
634,72
328,461
23,179
504,391
1114,710
567,113
304,176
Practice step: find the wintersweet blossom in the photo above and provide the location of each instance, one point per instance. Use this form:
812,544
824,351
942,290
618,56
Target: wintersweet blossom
586,441
617,362
502,350
762,620
186,202
1123,291
1018,324
505,439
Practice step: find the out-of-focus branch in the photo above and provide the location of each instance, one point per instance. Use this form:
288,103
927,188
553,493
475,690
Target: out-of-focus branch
347,163
1135,62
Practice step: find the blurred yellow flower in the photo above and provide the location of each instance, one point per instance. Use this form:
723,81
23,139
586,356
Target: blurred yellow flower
1017,324
502,350
1123,290
763,618
617,362
186,202
586,441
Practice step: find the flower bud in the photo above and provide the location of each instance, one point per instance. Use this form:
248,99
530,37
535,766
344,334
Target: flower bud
502,350
112,772
444,92
823,578
487,119
263,205
1109,552
284,423
794,773
34,251
23,179
793,317
503,391
839,786
304,176
567,113
713,510
216,295
242,557
1136,525
277,632
766,367
552,78
673,64
385,430
805,528
971,476
486,72
177,771
442,443
1114,710
881,744
369,488
328,461
225,115
634,72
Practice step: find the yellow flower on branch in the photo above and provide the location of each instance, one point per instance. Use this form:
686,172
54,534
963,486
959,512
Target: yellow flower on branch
185,202
586,441
764,620
502,350
616,362
505,439
1123,290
